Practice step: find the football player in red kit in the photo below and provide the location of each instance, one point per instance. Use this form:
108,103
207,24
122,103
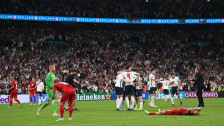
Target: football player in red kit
33,87
184,111
14,92
68,95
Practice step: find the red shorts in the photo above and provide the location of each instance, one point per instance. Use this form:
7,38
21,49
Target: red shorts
68,94
33,93
13,94
176,112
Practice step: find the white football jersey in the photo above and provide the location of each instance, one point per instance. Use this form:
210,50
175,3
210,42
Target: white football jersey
130,76
152,83
119,82
175,80
165,84
40,86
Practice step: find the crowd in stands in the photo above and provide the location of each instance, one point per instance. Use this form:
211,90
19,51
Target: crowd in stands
116,8
26,52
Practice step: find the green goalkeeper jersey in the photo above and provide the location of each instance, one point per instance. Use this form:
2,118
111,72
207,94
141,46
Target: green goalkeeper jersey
49,82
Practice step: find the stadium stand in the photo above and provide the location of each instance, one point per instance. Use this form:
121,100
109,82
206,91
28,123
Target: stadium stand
115,9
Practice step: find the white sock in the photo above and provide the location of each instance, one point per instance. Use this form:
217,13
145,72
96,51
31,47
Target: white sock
141,104
152,100
127,101
118,102
132,102
172,100
165,97
39,100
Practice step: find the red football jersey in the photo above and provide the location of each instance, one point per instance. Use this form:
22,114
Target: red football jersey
32,85
14,83
60,86
177,112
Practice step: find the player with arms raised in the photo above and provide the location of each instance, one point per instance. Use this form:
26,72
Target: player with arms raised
174,81
68,95
14,92
33,93
50,95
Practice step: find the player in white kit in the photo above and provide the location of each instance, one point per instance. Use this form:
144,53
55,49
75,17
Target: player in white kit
40,89
129,89
153,87
119,90
165,84
174,81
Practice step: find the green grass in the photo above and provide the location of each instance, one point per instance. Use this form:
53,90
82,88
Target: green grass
103,113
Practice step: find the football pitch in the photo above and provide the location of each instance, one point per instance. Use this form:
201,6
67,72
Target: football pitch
103,113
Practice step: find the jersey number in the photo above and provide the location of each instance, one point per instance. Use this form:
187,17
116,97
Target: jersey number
16,85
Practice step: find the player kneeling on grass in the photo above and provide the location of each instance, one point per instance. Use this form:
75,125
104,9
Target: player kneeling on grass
184,111
68,95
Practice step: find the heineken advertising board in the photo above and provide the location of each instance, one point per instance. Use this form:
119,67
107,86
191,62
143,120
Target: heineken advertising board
94,96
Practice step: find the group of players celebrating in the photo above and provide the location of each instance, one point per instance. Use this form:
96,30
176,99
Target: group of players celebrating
129,87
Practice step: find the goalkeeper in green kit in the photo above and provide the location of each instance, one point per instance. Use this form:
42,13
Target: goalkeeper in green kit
50,95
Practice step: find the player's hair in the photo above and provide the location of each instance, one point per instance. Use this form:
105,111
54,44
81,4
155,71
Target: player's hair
127,67
152,69
166,76
56,80
134,69
50,66
12,77
172,73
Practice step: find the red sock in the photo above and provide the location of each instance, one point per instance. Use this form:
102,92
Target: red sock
10,101
31,98
62,110
17,101
152,113
70,110
34,100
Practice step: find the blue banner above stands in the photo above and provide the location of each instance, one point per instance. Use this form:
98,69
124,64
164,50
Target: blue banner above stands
109,20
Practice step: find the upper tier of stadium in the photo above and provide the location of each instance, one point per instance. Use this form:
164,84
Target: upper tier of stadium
153,9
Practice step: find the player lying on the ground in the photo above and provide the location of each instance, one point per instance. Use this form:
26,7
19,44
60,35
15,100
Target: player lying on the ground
184,111
68,95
